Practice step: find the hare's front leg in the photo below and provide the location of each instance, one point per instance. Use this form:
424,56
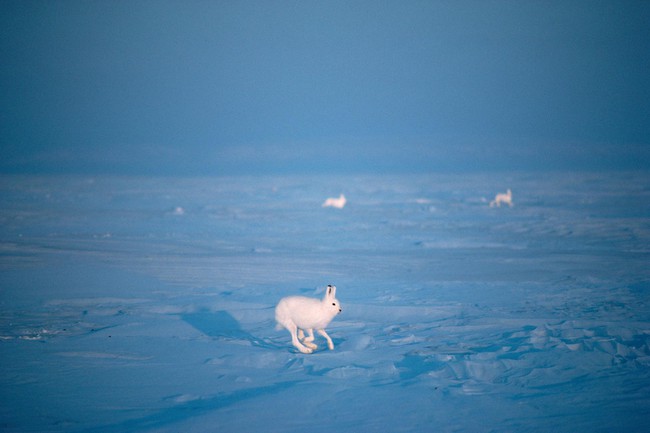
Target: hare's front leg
293,329
327,337
308,341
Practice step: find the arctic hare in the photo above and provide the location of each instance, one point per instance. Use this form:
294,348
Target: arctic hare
338,203
502,198
298,313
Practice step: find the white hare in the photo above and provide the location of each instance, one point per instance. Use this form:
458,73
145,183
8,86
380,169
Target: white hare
338,203
298,313
502,198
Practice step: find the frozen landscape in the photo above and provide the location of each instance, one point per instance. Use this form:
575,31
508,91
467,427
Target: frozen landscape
141,304
472,177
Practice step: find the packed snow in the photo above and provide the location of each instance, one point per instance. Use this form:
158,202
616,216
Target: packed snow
139,304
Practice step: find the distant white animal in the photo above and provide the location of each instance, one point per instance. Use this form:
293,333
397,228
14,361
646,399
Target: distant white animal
298,313
338,203
502,198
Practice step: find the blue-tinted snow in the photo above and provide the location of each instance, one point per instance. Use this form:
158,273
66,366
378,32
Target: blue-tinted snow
146,304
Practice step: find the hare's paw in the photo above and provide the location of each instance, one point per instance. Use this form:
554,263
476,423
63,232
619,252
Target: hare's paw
310,345
330,345
302,348
309,342
306,350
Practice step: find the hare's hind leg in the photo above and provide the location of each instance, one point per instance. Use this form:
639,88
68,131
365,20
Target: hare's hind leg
293,330
308,341
330,345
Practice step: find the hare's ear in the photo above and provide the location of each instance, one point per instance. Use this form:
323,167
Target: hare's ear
331,292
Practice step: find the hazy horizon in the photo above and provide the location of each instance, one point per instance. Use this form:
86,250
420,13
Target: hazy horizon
171,87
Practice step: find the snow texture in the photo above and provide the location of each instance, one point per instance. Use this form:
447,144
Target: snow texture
131,304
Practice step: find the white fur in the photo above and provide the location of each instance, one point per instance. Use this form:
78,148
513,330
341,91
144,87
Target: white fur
502,198
338,203
298,313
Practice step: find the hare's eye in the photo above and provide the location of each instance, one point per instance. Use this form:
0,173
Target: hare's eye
334,303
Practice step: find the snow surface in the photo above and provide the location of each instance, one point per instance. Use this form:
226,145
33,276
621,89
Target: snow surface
138,304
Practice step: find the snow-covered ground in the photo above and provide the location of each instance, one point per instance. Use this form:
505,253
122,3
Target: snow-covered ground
146,304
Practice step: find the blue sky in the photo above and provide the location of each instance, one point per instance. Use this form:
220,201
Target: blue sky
211,87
